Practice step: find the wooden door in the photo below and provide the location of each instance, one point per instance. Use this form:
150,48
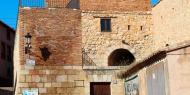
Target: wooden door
100,88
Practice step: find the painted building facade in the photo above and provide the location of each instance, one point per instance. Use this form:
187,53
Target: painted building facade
7,37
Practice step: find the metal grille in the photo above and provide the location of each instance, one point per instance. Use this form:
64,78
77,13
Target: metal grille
86,60
57,3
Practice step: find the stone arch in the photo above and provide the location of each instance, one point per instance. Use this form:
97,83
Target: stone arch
120,57
113,48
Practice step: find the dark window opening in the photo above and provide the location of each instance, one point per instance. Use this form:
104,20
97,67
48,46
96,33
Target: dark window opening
141,28
3,50
106,25
100,88
120,57
129,27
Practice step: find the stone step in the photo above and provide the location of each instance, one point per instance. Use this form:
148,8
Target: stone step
6,90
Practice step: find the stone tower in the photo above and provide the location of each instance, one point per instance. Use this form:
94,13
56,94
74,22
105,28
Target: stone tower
78,45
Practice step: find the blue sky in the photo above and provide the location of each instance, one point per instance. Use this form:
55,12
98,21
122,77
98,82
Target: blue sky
9,10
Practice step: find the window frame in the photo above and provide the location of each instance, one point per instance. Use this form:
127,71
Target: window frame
106,20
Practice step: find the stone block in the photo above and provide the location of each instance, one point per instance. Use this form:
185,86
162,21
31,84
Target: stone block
40,85
41,72
47,85
23,84
52,90
28,78
36,78
79,83
67,84
71,78
32,85
57,84
42,90
61,78
51,78
24,72
61,90
33,72
22,78
78,90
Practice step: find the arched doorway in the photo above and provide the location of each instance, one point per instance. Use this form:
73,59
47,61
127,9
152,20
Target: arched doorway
120,57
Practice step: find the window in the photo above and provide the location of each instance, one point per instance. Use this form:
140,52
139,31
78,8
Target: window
106,25
3,50
129,27
141,28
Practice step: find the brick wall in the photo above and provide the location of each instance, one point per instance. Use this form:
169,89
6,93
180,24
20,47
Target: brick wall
105,5
115,5
57,29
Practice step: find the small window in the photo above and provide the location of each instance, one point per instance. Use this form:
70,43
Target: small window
141,28
129,27
106,25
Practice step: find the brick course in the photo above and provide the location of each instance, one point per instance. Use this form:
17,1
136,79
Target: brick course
115,5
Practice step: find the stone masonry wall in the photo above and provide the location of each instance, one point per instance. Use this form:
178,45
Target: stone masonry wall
99,45
67,80
52,80
171,22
